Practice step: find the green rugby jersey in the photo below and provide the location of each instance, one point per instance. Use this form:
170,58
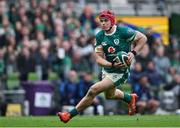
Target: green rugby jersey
119,40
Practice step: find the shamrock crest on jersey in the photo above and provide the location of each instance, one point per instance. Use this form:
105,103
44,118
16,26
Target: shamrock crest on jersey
116,41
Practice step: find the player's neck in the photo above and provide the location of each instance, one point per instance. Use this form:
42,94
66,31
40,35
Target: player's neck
111,31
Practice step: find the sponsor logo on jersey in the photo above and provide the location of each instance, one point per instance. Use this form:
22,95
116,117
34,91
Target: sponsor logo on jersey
116,41
111,49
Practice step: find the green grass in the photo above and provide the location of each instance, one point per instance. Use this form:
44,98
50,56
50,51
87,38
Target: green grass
93,121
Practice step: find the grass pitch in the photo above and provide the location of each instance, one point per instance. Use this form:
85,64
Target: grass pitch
93,121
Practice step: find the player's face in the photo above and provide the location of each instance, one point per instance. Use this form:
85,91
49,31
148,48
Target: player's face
105,23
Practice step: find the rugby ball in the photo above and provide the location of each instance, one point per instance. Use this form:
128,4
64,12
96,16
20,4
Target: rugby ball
123,58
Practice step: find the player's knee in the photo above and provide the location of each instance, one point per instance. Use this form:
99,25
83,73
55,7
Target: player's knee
92,92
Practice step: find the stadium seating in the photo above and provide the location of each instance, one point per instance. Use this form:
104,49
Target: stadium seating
33,76
13,81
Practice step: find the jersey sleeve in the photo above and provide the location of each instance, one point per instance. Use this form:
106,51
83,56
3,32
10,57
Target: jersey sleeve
97,45
128,34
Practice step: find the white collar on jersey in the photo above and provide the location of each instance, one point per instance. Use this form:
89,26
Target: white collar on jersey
115,26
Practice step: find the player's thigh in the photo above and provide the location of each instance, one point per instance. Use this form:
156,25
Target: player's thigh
102,85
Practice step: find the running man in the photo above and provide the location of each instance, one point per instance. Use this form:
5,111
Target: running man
109,41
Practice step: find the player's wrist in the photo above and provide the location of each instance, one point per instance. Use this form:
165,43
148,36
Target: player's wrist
134,52
112,63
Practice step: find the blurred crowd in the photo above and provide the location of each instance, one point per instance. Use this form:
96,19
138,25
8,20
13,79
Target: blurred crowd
42,37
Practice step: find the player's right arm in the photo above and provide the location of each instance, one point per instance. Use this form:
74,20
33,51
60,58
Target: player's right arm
99,56
101,61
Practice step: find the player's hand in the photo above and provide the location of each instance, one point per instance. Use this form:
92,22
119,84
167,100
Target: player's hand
119,65
130,57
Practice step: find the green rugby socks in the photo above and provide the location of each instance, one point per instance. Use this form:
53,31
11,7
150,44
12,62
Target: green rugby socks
73,112
127,98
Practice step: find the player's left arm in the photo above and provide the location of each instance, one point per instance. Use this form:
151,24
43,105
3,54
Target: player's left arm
138,43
